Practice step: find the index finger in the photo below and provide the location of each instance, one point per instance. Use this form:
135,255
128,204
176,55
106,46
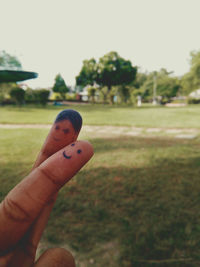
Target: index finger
64,131
24,203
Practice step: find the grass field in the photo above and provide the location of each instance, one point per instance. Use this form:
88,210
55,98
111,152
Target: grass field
182,117
136,203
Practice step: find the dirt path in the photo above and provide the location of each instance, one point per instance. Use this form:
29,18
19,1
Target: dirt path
118,130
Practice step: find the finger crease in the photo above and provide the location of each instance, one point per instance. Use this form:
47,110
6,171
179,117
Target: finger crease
50,177
11,209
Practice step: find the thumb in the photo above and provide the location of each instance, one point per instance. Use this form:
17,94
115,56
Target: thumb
55,257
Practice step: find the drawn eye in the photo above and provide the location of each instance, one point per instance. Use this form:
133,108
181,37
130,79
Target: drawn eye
72,144
57,127
79,151
66,131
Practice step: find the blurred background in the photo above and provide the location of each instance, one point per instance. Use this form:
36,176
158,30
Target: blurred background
132,70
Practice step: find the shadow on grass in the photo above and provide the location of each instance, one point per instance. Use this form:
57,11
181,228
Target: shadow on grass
153,212
131,143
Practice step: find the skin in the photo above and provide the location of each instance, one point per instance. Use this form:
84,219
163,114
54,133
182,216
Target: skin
25,210
61,134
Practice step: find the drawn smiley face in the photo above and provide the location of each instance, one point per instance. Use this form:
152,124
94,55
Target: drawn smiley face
63,130
68,156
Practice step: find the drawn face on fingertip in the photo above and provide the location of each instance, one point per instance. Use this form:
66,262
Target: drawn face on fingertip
63,130
68,156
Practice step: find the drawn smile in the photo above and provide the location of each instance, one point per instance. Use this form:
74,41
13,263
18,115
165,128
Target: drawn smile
65,155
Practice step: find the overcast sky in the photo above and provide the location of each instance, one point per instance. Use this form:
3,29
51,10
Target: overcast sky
55,36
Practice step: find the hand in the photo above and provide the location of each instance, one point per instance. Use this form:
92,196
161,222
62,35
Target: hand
25,210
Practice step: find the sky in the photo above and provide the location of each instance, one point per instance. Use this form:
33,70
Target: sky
55,36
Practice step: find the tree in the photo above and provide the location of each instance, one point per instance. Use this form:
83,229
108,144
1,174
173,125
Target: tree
195,67
9,62
191,80
91,93
110,70
139,80
103,91
60,86
124,93
18,95
167,86
187,83
114,70
5,89
88,73
134,89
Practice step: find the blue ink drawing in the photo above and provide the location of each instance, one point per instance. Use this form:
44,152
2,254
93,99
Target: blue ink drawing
73,116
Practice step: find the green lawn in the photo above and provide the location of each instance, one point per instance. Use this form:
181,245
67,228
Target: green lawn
147,116
136,203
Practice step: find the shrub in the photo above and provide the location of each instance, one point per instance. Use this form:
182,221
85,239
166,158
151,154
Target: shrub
42,96
17,94
193,100
2,98
164,100
30,95
71,97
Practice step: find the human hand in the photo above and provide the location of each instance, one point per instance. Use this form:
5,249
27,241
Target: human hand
25,210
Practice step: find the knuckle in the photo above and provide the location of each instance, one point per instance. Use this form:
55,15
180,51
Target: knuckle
15,211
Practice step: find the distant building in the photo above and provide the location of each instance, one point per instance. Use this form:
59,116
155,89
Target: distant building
195,94
22,85
84,93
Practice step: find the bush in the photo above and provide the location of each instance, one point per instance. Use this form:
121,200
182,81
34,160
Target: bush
2,98
17,94
55,96
164,100
193,100
71,97
30,96
37,96
42,96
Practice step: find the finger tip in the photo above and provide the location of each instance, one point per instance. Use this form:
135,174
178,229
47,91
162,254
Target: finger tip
87,147
64,164
73,116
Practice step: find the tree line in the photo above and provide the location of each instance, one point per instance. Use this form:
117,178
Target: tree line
111,78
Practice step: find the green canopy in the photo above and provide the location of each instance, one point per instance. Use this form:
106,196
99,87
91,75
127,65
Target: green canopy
16,75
